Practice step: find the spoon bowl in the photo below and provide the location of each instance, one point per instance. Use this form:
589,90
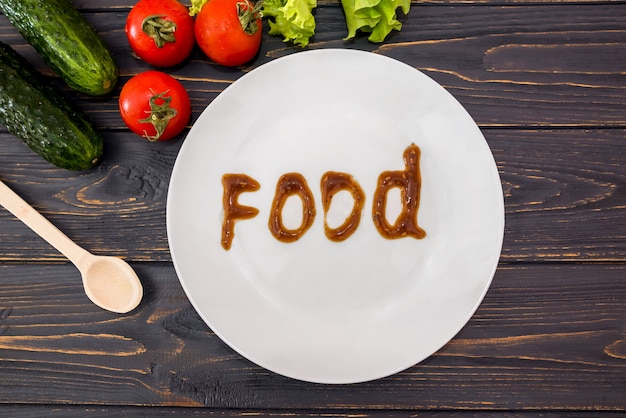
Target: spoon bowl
109,282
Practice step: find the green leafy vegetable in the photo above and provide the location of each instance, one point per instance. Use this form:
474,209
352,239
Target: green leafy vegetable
377,17
293,19
196,6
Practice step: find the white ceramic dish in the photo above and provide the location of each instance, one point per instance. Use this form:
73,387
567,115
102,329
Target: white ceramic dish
323,311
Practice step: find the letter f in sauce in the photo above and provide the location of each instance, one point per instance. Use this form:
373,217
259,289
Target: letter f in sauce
234,185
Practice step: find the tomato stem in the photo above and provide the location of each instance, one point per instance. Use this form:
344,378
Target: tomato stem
159,29
248,15
160,114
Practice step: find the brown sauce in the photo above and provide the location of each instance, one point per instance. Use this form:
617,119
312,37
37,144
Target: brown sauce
409,182
291,184
234,185
332,183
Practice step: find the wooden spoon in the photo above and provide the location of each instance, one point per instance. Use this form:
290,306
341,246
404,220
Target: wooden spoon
109,281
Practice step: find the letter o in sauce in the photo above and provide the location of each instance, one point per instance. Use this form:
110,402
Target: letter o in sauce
291,184
332,183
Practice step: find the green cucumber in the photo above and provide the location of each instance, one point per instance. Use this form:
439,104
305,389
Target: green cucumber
35,112
66,41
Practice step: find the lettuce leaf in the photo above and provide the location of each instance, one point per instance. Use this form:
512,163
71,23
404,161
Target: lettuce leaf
195,7
377,17
293,19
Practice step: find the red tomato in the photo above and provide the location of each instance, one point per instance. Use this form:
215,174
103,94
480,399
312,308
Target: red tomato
155,105
221,35
160,32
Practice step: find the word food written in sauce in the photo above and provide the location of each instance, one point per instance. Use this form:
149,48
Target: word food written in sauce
408,181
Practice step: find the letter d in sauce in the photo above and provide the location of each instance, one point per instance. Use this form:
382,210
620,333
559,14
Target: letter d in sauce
409,182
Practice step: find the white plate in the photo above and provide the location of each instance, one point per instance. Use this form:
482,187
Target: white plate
323,311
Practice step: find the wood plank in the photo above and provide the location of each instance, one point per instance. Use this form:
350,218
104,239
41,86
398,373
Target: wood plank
545,337
545,81
564,193
564,196
531,66
65,411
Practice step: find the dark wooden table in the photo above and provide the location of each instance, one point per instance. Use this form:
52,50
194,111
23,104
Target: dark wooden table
546,83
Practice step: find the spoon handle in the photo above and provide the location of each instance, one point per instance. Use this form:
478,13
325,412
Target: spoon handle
38,223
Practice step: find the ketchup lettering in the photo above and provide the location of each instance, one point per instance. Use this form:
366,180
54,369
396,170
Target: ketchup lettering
331,184
408,181
234,185
291,184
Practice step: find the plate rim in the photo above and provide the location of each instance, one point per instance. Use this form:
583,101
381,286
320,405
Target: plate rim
188,291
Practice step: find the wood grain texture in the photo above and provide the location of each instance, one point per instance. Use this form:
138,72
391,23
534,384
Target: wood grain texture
546,83
509,66
545,337
565,196
64,411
